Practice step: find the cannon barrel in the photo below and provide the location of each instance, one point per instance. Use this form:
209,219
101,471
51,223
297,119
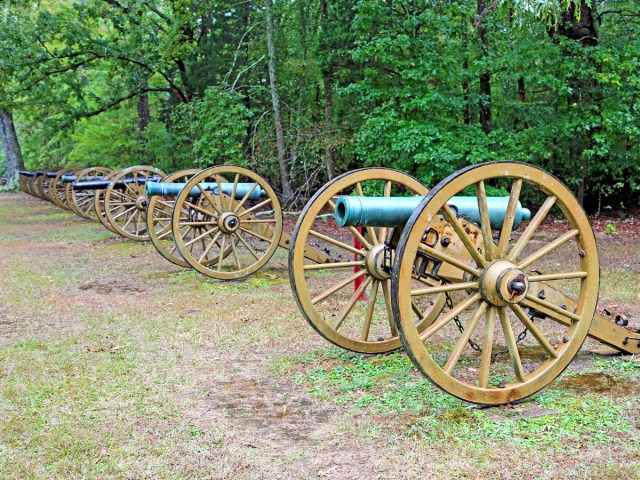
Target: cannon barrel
38,173
395,211
104,184
161,188
52,174
73,178
26,173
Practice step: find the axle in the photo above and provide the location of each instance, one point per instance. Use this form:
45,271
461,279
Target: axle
395,211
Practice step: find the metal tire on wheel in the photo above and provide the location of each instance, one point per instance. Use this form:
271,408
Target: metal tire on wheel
348,302
495,286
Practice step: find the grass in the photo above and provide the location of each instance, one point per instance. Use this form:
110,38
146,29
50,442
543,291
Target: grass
117,364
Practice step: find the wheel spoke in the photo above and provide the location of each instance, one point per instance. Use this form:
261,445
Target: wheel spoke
487,346
485,222
387,302
531,228
202,235
373,296
535,331
337,243
255,207
210,198
235,253
387,193
432,252
221,256
370,230
248,247
245,198
548,248
535,302
337,287
449,316
462,234
234,189
322,266
208,249
511,344
556,276
351,303
464,338
255,234
449,287
509,217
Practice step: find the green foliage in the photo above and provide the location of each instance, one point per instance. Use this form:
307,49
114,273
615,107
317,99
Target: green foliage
362,82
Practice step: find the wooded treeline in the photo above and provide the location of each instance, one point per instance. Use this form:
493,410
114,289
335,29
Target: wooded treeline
301,91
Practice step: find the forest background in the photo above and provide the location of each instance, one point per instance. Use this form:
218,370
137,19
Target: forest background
301,91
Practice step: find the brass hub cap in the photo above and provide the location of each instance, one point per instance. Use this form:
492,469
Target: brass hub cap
375,262
502,283
141,203
228,222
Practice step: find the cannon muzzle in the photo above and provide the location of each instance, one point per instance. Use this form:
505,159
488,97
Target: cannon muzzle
395,211
164,189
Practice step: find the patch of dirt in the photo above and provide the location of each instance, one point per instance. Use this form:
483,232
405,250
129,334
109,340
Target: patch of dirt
105,287
598,383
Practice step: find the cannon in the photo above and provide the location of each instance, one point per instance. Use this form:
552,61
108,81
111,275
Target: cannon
82,202
489,310
226,222
25,177
121,202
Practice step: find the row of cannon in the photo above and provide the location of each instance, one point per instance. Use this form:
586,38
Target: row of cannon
488,305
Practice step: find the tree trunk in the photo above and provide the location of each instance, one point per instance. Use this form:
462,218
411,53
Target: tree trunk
581,28
522,96
485,77
285,178
327,83
11,146
143,112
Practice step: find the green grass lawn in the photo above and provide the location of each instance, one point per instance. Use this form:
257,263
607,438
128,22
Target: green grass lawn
117,364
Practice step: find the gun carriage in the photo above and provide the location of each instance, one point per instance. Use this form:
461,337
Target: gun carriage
226,222
488,311
117,199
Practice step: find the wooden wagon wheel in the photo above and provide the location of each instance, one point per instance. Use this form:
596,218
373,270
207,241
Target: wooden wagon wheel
99,206
125,201
231,207
329,295
38,184
58,187
158,219
471,350
82,201
45,187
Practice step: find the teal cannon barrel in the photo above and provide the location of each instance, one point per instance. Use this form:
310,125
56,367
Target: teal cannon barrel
395,211
164,189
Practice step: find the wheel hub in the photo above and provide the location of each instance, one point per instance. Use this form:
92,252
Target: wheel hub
502,283
141,202
228,222
375,262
